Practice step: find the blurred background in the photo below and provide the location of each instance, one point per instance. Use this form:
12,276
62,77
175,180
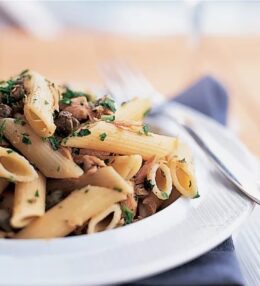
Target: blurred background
172,42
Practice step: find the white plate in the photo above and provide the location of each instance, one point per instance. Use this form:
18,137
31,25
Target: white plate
177,234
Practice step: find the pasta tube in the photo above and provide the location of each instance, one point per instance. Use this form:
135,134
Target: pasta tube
182,171
104,221
127,166
160,180
134,109
122,141
29,201
41,101
104,177
51,163
15,167
71,213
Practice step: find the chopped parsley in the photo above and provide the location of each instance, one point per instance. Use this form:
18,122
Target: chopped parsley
190,184
196,196
182,160
102,136
147,112
55,144
9,151
148,185
25,139
11,179
36,194
165,195
2,128
58,169
86,191
44,139
128,215
146,129
6,91
19,121
68,94
118,190
108,118
30,201
46,102
83,132
108,103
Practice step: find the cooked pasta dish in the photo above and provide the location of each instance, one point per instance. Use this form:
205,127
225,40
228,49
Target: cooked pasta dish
73,164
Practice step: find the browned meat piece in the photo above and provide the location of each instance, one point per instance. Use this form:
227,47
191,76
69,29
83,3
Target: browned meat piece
142,173
91,163
100,154
100,110
173,197
140,191
149,205
66,123
5,111
18,92
79,108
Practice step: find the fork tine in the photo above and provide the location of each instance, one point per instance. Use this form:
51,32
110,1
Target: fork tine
125,83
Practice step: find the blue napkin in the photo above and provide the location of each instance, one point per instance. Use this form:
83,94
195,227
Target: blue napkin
219,266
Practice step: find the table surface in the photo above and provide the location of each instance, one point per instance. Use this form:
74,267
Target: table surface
170,63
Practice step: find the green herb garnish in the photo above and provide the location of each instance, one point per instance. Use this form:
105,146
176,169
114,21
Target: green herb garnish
196,196
55,144
108,118
46,102
25,139
147,112
148,185
19,121
190,184
11,179
102,136
9,151
36,194
108,103
118,190
2,129
58,169
182,160
165,195
128,215
68,94
30,201
146,129
83,132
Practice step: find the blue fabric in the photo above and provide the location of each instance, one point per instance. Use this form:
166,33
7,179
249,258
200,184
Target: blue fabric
219,266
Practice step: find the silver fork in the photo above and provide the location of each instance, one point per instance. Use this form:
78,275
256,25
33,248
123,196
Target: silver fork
125,83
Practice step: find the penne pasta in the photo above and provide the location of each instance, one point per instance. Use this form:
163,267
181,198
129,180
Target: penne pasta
15,167
104,177
29,201
182,171
104,221
81,166
135,109
51,163
122,141
3,184
127,166
72,212
41,101
160,179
